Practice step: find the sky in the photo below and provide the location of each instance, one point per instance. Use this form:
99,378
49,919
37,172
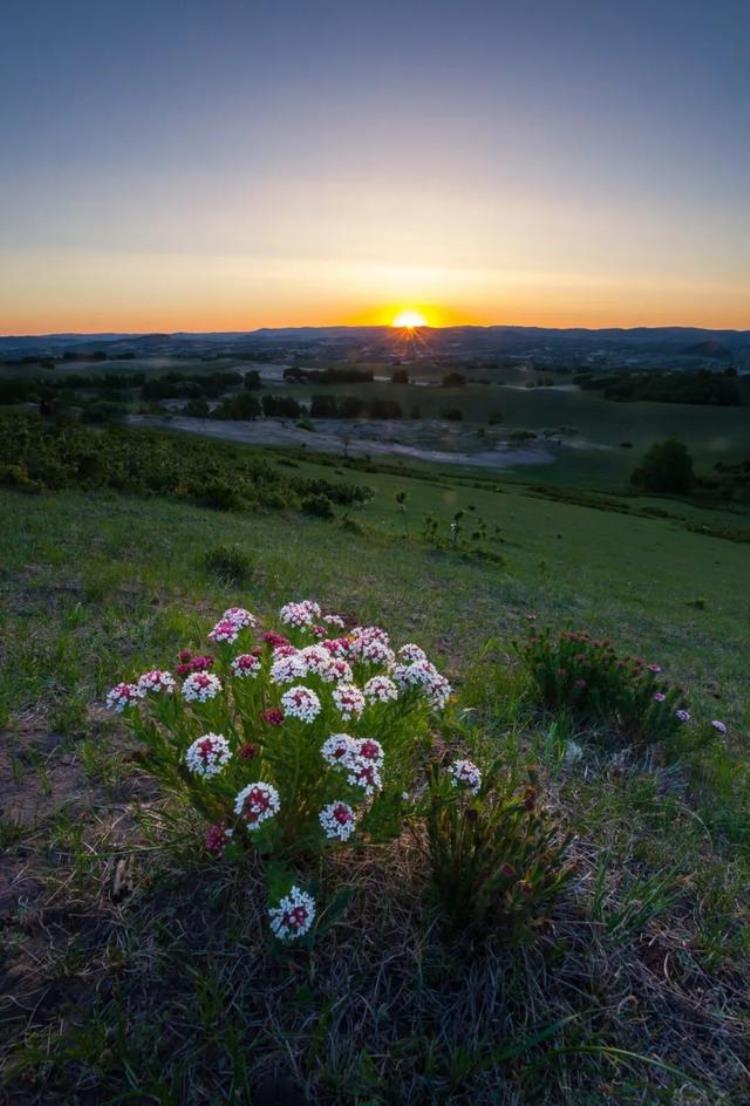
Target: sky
227,165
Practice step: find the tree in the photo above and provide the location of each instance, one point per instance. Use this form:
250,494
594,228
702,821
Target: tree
252,380
667,467
454,380
400,376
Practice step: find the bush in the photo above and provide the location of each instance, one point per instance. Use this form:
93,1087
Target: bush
667,467
230,564
252,740
588,680
496,854
318,505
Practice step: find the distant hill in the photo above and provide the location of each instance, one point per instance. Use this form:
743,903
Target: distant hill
645,347
711,348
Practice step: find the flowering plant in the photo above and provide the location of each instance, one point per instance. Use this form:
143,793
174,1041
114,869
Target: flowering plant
288,740
576,673
496,853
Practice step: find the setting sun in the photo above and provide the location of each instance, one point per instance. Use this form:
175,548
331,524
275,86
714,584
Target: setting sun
408,320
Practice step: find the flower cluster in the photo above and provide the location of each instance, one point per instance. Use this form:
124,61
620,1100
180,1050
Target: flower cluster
256,803
301,702
201,686
293,916
380,689
349,700
124,695
240,617
338,820
246,664
300,615
423,675
465,773
251,735
361,758
208,754
225,632
157,680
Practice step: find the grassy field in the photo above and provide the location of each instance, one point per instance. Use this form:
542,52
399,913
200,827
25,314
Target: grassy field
592,429
137,971
600,426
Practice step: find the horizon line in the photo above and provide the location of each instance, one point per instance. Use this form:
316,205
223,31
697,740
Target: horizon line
361,326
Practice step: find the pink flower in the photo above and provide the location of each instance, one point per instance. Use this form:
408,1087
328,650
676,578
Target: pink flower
655,668
246,664
659,696
256,803
338,821
225,632
216,838
272,717
200,664
122,696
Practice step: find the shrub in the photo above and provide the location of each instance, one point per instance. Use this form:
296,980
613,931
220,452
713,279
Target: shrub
253,738
496,854
588,680
229,563
667,467
318,505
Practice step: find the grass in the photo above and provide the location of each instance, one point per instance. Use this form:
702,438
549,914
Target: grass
137,971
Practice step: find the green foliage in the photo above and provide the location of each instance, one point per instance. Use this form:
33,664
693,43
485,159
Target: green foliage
229,564
584,677
667,467
496,857
37,454
318,505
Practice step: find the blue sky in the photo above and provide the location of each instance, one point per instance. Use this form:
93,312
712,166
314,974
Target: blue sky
227,165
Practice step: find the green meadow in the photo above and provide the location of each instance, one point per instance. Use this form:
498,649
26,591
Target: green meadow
138,968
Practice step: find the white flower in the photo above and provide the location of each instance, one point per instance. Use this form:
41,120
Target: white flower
256,803
349,700
439,691
369,751
124,695
246,664
682,715
376,651
363,637
225,632
423,674
294,915
406,676
201,686
466,772
318,661
339,671
338,821
300,702
301,614
156,680
363,773
380,689
334,620
287,668
208,755
718,726
411,652
239,616
340,748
